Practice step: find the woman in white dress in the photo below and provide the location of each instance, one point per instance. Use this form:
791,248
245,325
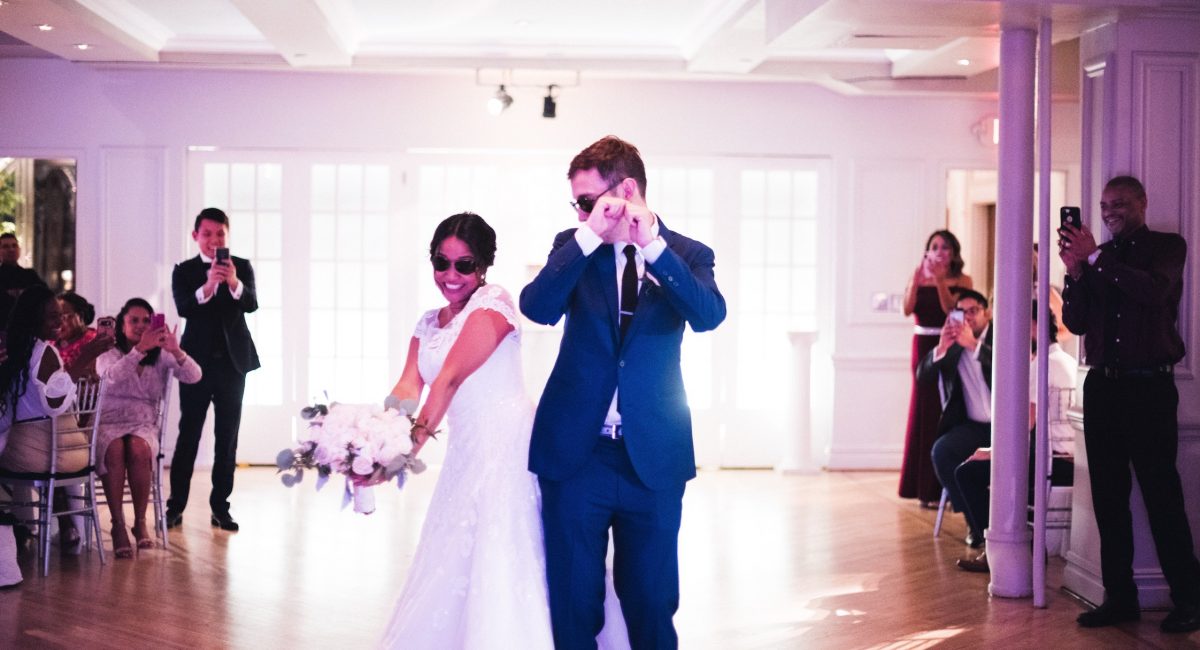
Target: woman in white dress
478,579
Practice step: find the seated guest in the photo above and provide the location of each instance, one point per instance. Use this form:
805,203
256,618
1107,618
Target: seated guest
34,387
136,372
962,365
974,476
78,344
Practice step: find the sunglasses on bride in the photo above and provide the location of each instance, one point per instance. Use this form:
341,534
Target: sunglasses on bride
464,265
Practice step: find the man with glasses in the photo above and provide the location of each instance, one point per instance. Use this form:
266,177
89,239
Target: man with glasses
962,365
612,438
1124,295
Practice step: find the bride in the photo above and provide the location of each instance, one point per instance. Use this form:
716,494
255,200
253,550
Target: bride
478,579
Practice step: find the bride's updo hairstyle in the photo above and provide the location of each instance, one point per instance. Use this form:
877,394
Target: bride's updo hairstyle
473,231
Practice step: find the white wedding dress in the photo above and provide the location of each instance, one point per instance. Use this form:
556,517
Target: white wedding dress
478,579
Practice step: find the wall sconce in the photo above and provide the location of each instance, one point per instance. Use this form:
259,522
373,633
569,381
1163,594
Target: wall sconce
987,130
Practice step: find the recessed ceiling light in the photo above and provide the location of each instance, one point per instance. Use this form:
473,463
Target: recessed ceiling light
963,62
83,46
45,27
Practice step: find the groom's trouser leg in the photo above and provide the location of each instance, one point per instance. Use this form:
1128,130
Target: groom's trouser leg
646,561
576,514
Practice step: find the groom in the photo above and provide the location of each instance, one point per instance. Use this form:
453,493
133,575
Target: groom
612,438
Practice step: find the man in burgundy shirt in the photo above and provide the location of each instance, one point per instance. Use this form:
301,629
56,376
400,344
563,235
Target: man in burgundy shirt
1124,295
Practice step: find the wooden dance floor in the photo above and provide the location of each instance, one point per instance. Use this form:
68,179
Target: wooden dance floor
834,560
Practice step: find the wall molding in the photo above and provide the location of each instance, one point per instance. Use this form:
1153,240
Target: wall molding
1164,122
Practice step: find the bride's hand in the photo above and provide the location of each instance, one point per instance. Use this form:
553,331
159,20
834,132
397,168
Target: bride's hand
420,434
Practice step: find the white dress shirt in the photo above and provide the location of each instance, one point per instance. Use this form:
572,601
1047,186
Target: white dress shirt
589,241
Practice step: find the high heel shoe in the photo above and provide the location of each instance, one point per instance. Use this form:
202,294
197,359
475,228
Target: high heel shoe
143,538
121,547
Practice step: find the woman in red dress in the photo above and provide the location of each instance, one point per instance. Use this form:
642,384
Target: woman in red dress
930,296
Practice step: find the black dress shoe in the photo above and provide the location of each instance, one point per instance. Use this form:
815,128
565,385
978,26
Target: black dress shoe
974,541
225,522
174,519
977,564
1109,613
1182,619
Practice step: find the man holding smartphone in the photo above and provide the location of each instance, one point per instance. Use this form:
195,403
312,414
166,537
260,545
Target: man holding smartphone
1124,295
214,292
962,364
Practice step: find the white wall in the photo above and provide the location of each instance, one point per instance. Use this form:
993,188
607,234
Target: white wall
130,129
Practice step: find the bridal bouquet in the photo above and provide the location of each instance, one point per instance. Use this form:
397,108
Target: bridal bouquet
367,444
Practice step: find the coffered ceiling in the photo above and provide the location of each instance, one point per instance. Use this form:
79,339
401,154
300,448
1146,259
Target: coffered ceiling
853,46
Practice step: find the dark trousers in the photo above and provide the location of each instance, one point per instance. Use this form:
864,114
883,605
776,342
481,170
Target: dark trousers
576,516
222,386
954,447
974,477
1132,421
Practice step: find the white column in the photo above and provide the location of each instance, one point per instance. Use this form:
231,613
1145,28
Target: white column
797,440
1007,534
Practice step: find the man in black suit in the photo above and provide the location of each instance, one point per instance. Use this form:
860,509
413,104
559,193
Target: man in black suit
214,293
962,363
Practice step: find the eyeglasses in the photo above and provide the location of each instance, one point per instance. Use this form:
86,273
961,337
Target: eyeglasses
586,203
971,311
464,265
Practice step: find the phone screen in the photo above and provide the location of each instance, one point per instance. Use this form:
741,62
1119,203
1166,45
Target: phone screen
1069,215
106,325
956,315
222,254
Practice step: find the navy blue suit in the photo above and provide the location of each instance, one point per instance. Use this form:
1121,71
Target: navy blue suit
635,485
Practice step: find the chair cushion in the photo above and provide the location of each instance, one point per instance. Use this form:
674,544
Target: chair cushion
28,449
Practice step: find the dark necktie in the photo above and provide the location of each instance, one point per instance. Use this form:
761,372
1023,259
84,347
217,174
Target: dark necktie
629,289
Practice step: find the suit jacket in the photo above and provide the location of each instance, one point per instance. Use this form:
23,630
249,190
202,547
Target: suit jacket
222,316
954,404
593,361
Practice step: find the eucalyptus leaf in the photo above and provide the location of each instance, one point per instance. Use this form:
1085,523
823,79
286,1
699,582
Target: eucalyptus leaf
285,459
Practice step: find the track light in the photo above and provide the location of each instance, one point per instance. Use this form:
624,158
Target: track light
498,103
549,106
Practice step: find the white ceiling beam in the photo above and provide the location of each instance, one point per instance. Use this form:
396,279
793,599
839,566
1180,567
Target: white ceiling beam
961,57
737,47
102,26
306,33
783,15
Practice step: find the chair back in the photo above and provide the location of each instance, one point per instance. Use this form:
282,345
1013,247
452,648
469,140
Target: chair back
164,409
83,417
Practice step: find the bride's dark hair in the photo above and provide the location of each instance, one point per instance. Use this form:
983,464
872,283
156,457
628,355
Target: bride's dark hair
473,231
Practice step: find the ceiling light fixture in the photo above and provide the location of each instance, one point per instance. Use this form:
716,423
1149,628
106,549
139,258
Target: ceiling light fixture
964,62
83,46
45,27
498,103
549,106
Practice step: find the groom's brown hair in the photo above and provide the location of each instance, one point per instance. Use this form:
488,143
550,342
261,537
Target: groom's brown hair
614,159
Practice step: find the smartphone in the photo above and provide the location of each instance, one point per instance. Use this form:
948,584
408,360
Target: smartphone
222,254
1069,215
956,316
106,325
158,321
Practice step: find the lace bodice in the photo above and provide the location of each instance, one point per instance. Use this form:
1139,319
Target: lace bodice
496,384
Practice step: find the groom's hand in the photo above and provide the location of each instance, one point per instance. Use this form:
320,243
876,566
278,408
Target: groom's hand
641,224
608,219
